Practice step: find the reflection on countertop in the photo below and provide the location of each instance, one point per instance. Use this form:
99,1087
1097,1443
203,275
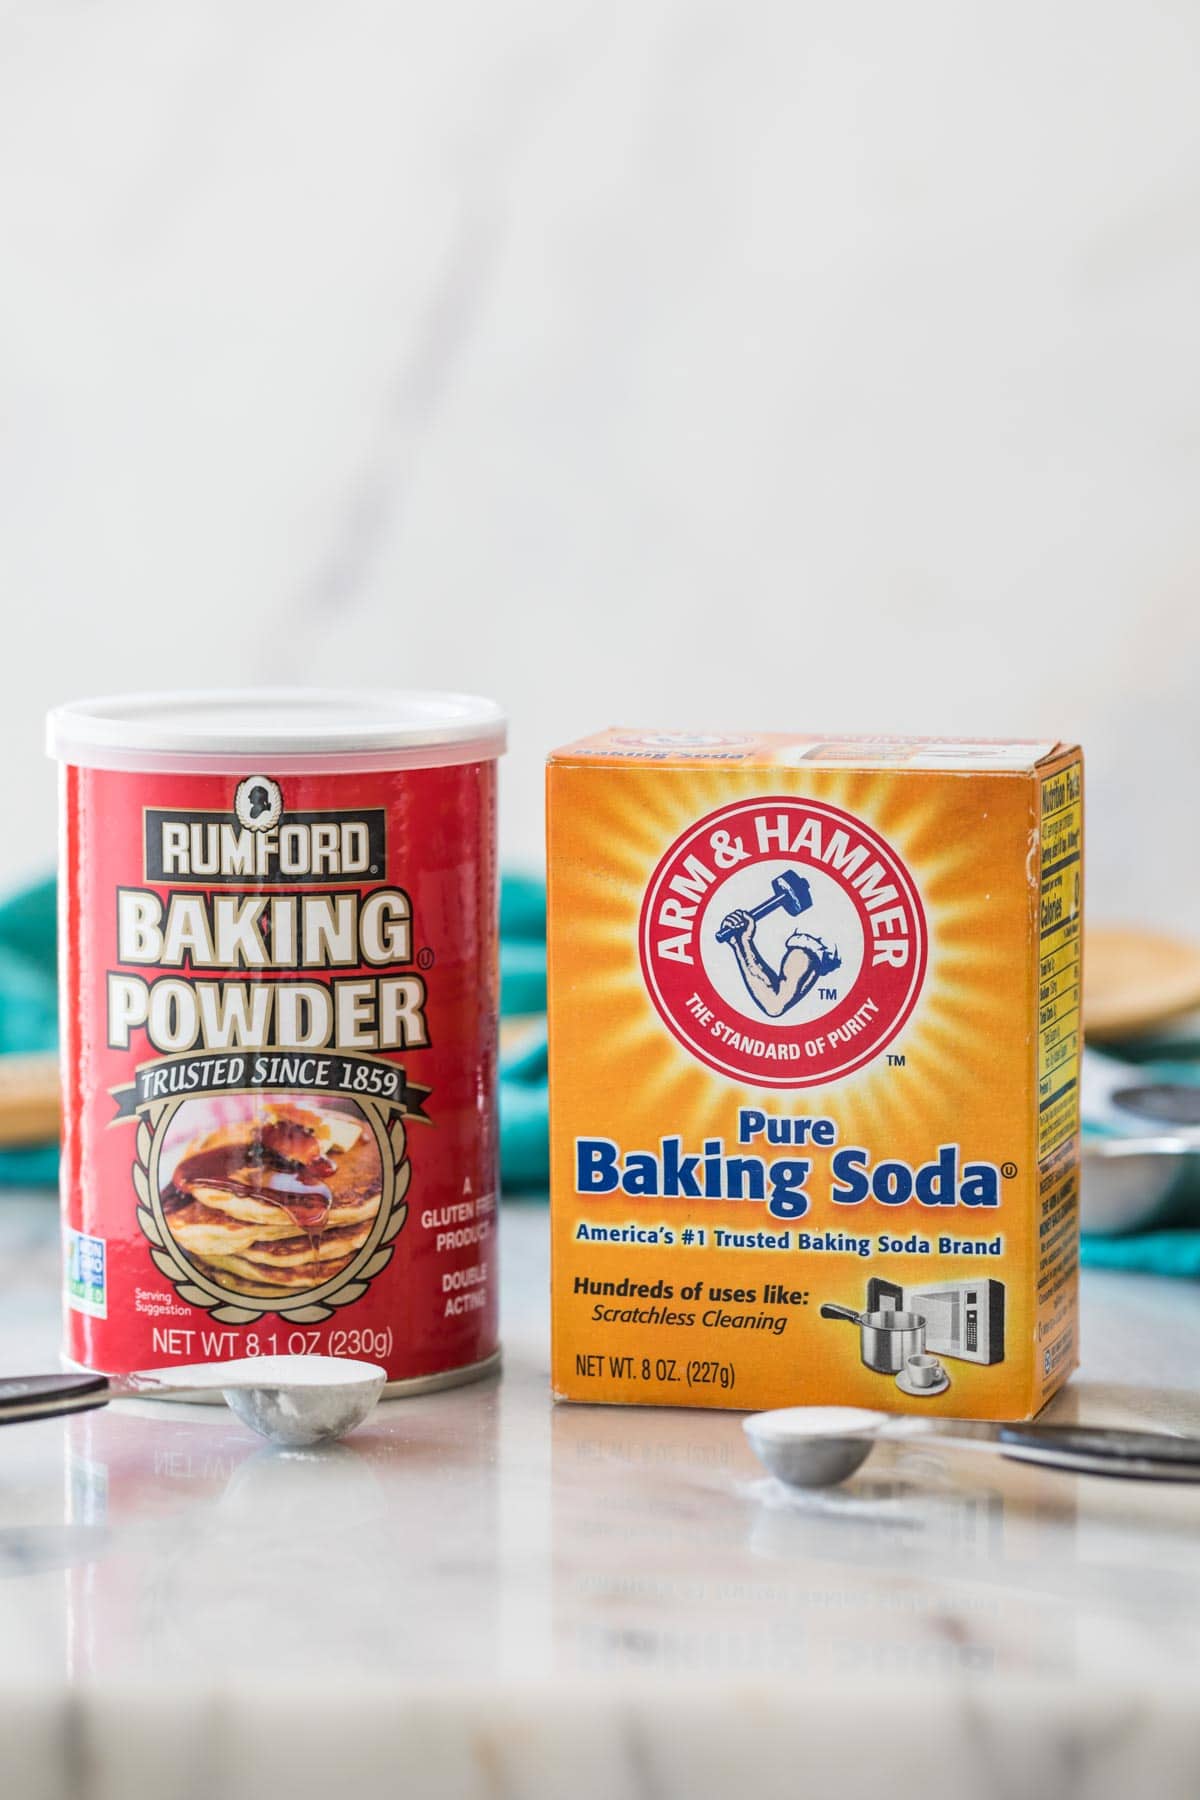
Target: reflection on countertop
485,1544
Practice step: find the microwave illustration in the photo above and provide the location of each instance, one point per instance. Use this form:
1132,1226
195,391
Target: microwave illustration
963,1319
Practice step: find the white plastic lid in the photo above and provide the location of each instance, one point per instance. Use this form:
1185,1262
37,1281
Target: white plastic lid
119,730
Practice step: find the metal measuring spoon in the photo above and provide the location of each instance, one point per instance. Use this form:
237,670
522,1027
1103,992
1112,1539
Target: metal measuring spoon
1140,1138
818,1446
292,1400
1125,1099
1126,1182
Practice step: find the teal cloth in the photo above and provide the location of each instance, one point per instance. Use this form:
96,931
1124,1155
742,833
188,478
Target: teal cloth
29,1008
1174,1252
524,1087
1174,1249
29,1021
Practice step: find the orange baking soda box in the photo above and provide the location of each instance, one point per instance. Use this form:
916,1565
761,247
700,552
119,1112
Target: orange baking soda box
814,1070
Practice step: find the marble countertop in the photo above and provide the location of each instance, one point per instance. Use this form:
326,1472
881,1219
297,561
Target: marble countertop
482,1594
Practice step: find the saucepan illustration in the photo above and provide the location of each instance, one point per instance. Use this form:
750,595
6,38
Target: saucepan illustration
888,1338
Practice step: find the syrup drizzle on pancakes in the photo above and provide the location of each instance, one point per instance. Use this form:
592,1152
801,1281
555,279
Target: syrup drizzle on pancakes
279,1201
269,1169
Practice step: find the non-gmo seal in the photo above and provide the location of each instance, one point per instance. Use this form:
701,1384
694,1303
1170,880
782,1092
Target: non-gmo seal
783,942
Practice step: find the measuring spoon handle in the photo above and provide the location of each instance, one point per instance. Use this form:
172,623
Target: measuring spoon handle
44,1396
1103,1450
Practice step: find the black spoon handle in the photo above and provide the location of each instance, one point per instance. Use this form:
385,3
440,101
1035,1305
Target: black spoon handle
44,1396
1104,1450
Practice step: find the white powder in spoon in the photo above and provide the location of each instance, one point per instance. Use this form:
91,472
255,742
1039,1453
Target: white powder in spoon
816,1421
268,1372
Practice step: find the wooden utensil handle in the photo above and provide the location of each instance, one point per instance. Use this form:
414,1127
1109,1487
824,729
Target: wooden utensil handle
29,1099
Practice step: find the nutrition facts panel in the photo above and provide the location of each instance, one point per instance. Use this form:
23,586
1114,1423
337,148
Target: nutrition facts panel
1059,968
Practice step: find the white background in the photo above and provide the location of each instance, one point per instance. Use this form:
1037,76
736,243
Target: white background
742,364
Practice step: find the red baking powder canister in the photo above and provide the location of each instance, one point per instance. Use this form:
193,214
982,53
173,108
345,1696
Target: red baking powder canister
279,996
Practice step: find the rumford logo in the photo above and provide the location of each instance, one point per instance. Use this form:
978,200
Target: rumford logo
783,942
257,842
208,916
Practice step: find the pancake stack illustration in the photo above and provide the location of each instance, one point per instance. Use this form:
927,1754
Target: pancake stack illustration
277,1202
